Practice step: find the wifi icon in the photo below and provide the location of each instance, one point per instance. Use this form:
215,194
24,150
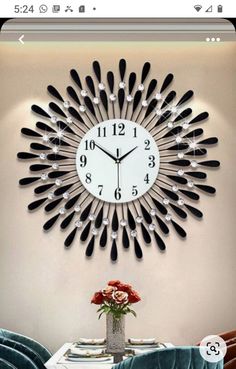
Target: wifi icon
197,7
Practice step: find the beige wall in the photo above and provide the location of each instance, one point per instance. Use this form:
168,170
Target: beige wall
188,292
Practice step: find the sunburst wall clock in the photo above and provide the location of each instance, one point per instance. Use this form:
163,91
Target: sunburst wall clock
122,160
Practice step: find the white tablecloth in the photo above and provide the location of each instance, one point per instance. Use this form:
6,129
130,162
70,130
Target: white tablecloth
58,362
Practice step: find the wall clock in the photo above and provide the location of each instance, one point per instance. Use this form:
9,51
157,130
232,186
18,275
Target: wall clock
122,153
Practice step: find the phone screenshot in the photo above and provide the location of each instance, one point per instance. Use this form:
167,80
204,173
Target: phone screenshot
117,186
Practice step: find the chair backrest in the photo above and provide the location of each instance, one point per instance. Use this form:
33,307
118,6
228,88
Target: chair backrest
44,354
6,365
24,350
19,360
169,358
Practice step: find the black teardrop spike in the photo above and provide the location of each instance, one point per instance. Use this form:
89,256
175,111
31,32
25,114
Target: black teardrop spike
90,247
200,117
85,232
166,115
210,163
137,249
43,188
121,98
57,157
162,225
97,70
159,206
104,100
110,80
85,213
208,189
72,93
44,127
66,222
26,155
52,205
75,114
59,191
54,92
197,213
152,105
28,180
209,141
181,213
70,238
199,175
58,141
160,243
191,195
176,179
199,152
36,204
170,194
122,68
184,114
180,146
131,221
167,82
174,131
125,238
30,133
36,109
195,133
169,98
39,147
48,225
181,232
145,71
137,98
98,221
146,235
180,163
188,95
39,167
90,85
146,214
115,223
88,102
76,78
103,238
114,252
72,201
151,87
64,127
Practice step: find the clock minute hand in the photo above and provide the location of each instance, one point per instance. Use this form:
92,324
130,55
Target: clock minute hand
106,152
125,155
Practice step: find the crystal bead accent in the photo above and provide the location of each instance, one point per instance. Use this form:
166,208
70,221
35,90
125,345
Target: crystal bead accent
192,145
112,97
123,223
122,84
133,233
129,98
45,138
66,195
51,196
42,156
180,202
174,109
96,100
91,216
55,166
158,96
83,93
165,201
194,164
139,219
55,149
60,134
180,172
178,139
82,108
58,182
53,119
69,120
141,87
185,125
113,235
105,221
77,208
78,223
180,155
170,125
144,103
101,86
175,188
153,212
158,112
66,104
190,184
168,217
62,211
94,231
44,176
152,227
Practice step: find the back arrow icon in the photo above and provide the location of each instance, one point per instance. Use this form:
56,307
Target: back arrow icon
21,39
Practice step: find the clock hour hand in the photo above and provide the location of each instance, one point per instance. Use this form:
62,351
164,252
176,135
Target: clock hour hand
129,152
106,152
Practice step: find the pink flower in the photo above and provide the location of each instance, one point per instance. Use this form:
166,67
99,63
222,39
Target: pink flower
108,292
121,297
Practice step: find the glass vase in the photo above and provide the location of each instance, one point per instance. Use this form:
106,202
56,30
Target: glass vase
115,334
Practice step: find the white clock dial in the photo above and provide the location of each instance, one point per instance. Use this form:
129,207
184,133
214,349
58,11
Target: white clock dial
117,161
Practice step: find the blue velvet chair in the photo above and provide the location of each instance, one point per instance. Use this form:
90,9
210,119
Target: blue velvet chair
35,346
169,358
16,358
6,365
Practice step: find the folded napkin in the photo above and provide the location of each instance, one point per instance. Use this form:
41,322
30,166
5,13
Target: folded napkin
92,341
85,352
140,341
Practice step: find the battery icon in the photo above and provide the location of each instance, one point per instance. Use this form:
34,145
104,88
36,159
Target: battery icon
220,8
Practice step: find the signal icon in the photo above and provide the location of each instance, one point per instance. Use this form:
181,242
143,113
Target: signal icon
197,7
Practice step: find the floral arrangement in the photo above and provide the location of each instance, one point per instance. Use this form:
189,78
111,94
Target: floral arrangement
116,299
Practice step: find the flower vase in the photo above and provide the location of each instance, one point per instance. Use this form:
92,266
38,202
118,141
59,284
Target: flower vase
115,334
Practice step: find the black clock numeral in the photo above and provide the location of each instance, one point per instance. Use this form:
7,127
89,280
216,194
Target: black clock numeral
152,162
89,145
117,193
134,191
135,132
83,161
118,129
88,178
100,187
146,178
102,132
147,144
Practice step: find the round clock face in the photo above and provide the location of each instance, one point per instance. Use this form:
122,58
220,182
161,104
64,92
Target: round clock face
117,161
